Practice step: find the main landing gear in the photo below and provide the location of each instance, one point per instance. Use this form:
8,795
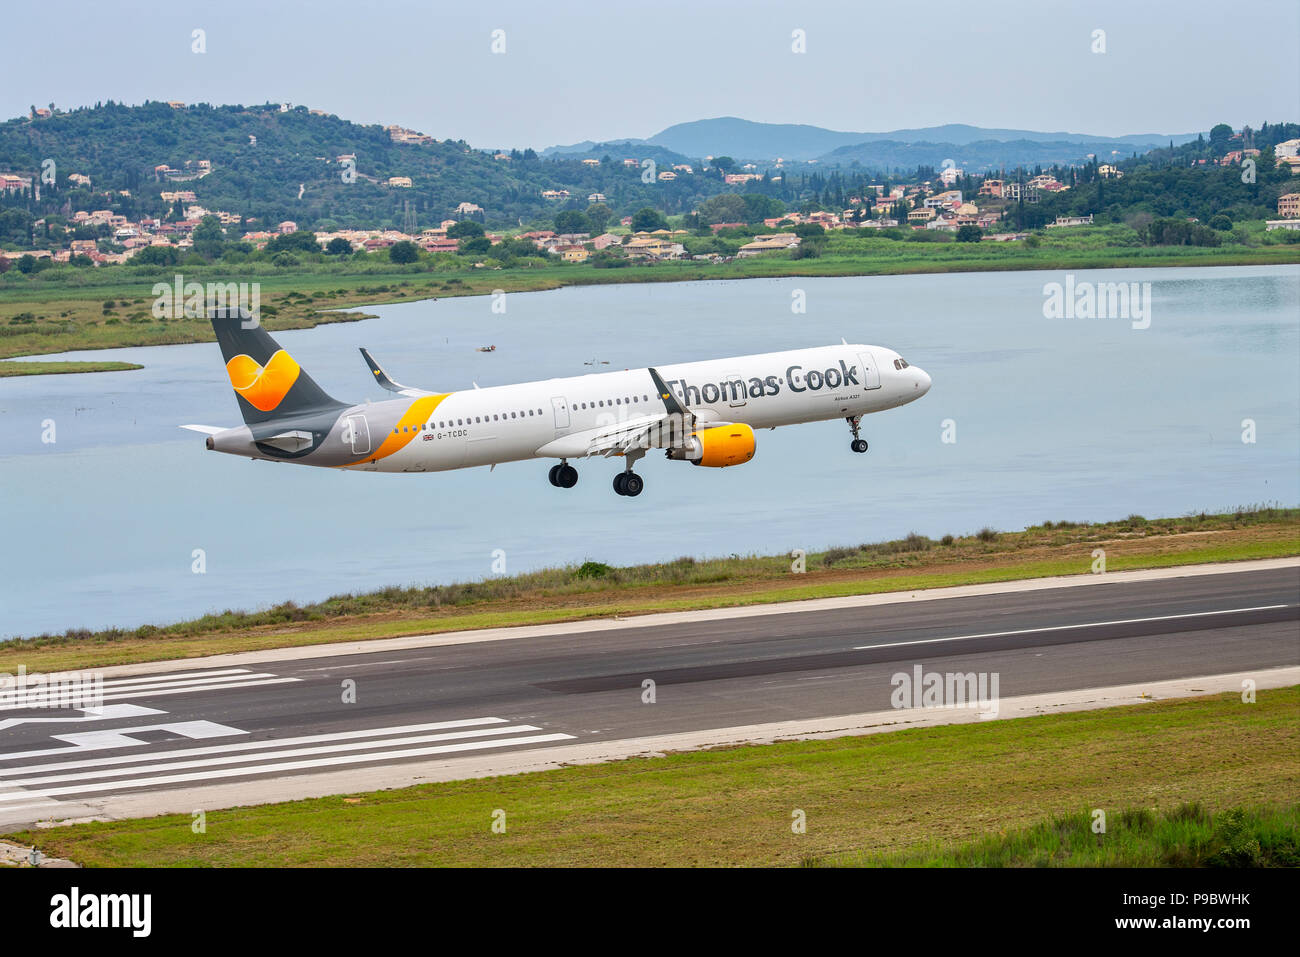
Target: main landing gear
563,475
628,482
858,444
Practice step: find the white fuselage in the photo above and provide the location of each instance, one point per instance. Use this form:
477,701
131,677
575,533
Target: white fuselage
556,418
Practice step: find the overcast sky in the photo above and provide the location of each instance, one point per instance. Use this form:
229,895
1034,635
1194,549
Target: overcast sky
576,71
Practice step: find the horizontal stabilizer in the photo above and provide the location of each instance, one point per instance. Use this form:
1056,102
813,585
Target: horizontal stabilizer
205,429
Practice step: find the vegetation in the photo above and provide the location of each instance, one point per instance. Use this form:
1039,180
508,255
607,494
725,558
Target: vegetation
60,368
61,309
1187,835
595,589
1184,781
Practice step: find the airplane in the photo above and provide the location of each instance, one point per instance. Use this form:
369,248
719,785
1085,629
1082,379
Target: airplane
701,412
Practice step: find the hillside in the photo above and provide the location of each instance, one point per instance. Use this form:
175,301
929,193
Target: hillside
748,140
262,158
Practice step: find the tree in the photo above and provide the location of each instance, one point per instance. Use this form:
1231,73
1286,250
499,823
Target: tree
209,237
465,229
724,164
648,219
572,221
969,234
476,246
1219,136
338,246
404,252
599,215
725,208
301,241
157,256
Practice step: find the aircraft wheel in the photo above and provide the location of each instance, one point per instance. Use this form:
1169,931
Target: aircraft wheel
553,475
620,481
567,476
632,484
858,445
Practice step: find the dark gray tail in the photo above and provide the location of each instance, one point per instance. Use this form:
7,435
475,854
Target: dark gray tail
268,382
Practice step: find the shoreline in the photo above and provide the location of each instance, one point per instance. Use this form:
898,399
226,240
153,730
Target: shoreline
294,299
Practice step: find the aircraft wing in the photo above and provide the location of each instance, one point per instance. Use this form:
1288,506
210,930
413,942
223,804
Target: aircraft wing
384,380
661,431
636,433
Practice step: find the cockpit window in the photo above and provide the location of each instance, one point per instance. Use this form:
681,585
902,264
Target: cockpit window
900,364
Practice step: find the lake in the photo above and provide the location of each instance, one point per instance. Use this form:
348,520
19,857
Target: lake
1082,419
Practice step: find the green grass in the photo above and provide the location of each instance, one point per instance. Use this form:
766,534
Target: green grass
889,796
63,368
1184,836
572,594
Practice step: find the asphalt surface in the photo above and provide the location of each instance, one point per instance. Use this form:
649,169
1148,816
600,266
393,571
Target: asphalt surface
217,725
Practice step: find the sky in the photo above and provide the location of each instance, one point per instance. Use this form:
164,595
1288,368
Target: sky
571,71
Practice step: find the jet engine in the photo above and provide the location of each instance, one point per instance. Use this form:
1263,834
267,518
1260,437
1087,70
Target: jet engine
717,446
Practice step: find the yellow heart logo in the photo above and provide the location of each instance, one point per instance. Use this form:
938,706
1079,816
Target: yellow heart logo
264,387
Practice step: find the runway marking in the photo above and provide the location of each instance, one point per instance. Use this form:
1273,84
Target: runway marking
170,765
251,758
1090,624
112,712
120,689
286,766
245,746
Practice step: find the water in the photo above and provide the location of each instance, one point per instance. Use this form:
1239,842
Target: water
1055,419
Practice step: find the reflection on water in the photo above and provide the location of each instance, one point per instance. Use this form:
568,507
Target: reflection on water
1079,419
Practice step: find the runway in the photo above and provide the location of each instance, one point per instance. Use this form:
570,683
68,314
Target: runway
203,734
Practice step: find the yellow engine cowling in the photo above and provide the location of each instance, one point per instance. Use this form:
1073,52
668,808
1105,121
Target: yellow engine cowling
717,447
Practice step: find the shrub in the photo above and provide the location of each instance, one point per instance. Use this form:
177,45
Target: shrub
593,570
987,534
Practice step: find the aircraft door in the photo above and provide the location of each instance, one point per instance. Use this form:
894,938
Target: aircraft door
870,372
357,431
736,390
561,406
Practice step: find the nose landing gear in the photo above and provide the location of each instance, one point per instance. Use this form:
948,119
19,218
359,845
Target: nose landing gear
858,444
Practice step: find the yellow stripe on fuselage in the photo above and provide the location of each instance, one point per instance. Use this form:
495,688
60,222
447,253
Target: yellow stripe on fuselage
416,413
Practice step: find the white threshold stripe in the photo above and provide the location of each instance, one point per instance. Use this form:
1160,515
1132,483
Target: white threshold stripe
169,765
287,766
144,684
1087,624
172,676
41,700
38,697
244,746
158,692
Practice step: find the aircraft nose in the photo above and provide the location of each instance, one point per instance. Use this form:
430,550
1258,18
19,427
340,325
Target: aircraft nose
922,381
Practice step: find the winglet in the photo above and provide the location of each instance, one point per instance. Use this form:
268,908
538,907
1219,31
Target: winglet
666,394
380,375
385,380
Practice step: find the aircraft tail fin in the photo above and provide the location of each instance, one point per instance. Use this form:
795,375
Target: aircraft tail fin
268,382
